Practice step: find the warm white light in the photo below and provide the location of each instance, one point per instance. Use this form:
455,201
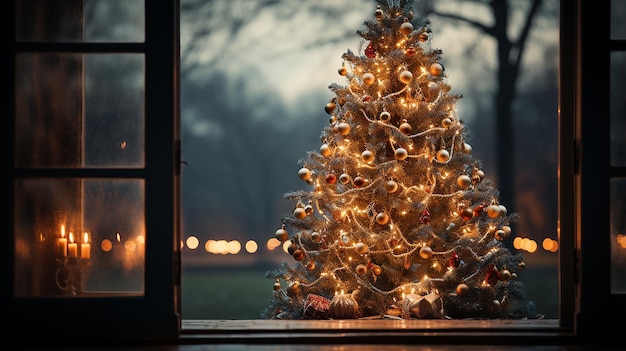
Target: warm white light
272,243
130,245
233,247
251,246
286,245
192,242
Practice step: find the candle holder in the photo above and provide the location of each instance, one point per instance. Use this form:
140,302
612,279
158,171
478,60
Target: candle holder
69,275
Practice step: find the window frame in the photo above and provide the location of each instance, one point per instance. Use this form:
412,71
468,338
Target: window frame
584,174
156,313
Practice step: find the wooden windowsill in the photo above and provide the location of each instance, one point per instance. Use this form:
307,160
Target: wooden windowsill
536,331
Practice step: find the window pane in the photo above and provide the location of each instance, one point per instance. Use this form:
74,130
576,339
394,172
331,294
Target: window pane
78,20
618,235
618,25
63,120
618,109
79,237
253,97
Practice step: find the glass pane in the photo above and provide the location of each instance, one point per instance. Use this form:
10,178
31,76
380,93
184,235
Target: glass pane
78,20
618,235
79,237
618,25
63,120
618,109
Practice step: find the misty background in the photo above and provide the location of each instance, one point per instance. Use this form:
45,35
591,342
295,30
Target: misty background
254,78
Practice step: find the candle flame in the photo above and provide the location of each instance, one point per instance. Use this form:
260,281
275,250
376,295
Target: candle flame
117,236
71,237
62,230
86,237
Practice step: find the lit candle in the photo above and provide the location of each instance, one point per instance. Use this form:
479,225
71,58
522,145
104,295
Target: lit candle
85,247
62,243
72,247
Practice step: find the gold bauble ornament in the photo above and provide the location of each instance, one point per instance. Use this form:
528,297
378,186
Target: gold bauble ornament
406,28
377,270
310,265
405,127
382,218
315,236
462,289
464,181
367,156
493,211
281,234
400,154
391,186
499,234
385,116
446,122
299,213
343,128
426,252
342,70
344,178
436,69
368,78
361,248
423,37
304,173
308,209
406,77
467,148
378,13
277,286
343,306
503,210
495,306
443,155
293,289
507,230
360,269
504,275
325,150
330,107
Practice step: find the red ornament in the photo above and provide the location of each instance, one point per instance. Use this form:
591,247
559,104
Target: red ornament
492,276
298,255
425,217
455,261
367,98
358,182
331,178
369,51
478,210
410,51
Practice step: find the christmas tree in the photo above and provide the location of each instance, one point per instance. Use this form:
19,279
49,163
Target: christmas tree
400,220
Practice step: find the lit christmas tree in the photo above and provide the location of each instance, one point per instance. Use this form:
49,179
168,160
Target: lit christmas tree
400,221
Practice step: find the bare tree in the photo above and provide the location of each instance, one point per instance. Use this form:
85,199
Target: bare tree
510,52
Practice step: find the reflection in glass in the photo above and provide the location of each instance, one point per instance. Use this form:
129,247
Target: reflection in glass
618,25
80,20
618,235
78,237
76,110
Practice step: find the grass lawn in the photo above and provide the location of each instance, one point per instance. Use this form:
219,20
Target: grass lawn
244,293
